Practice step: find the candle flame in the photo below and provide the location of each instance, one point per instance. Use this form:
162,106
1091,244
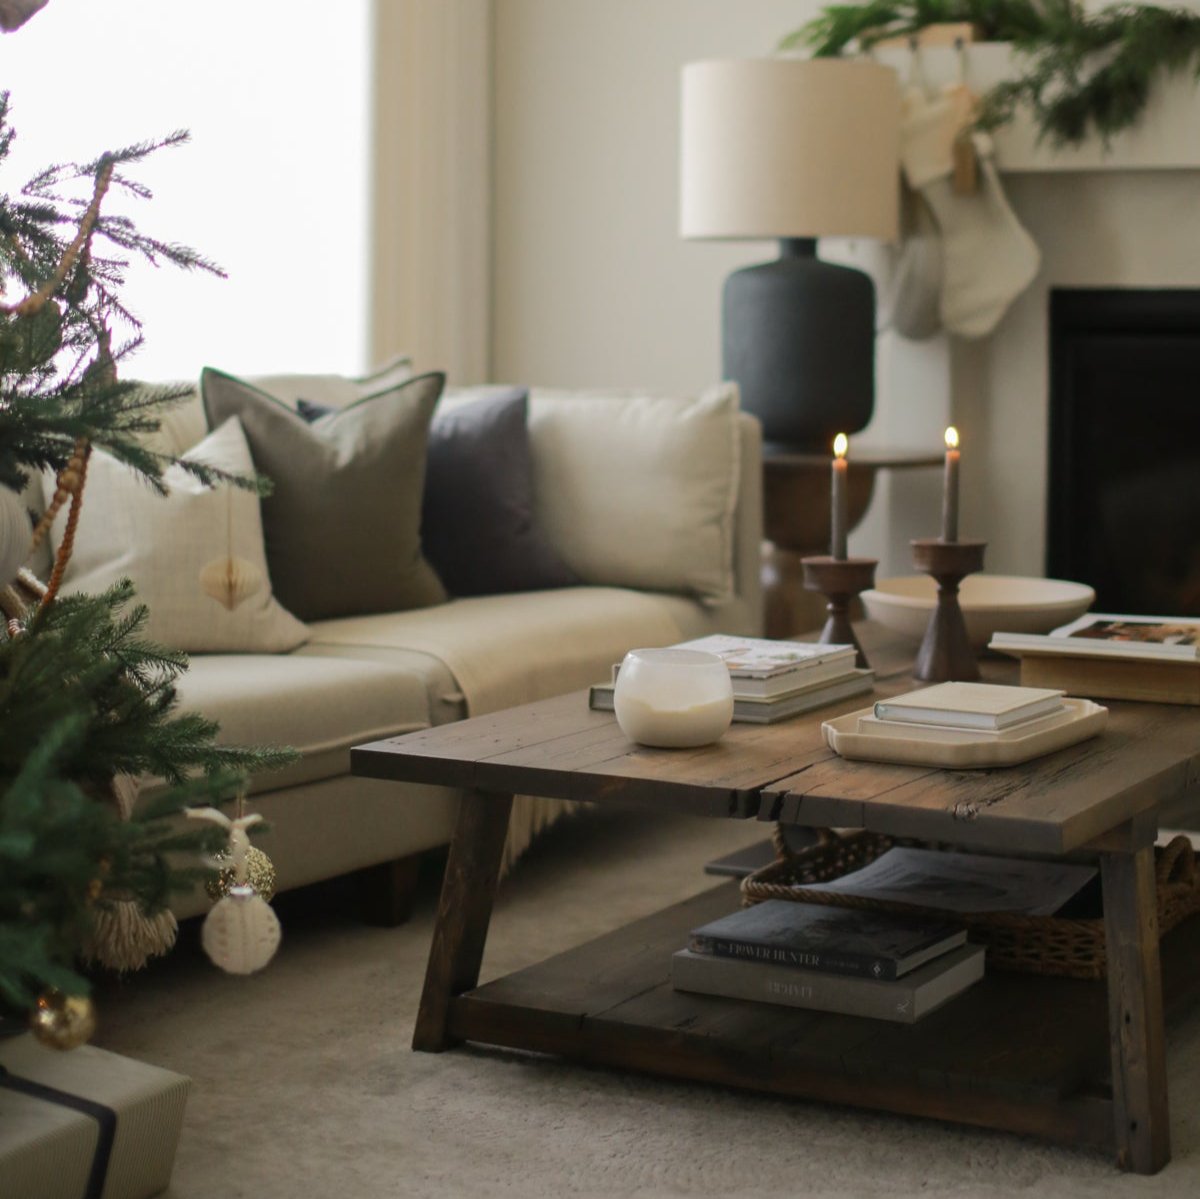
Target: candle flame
951,438
841,443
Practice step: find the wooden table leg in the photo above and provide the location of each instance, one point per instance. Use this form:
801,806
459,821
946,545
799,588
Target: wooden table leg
1135,1011
465,906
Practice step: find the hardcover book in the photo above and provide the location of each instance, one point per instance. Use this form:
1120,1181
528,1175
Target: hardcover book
903,1000
1163,681
832,940
989,706
1105,635
760,658
768,711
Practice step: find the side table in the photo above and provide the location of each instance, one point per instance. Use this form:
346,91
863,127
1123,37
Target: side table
796,490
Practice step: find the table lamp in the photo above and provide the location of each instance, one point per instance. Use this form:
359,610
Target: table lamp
794,149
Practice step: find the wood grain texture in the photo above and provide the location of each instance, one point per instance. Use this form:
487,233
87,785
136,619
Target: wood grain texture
1015,1051
464,911
1138,1041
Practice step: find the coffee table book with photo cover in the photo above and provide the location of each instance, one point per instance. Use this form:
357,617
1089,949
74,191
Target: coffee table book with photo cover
903,1000
750,710
1105,635
831,940
1152,659
986,707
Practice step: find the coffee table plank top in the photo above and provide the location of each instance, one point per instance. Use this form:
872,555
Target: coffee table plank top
561,749
1052,804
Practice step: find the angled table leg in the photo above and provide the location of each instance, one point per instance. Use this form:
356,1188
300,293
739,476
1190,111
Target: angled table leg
465,906
1135,1011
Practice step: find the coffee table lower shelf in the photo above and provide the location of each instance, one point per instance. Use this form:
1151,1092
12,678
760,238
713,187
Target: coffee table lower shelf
1018,1052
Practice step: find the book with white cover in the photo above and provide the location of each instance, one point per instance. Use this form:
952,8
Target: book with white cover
903,1000
1109,635
970,705
759,657
870,724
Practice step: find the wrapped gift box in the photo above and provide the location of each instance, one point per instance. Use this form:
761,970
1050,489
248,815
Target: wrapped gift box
55,1117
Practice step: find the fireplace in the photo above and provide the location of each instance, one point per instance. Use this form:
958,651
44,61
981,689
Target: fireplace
1123,491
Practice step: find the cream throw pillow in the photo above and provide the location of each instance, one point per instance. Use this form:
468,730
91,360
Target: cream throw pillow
195,556
638,490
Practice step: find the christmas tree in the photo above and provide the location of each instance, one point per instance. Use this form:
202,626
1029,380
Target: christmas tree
87,705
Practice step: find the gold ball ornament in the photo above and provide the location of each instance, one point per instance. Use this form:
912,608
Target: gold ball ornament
260,875
63,1021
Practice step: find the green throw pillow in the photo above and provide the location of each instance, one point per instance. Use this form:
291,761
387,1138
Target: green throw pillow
343,525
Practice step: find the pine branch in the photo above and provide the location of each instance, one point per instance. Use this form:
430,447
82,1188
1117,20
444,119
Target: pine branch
1084,73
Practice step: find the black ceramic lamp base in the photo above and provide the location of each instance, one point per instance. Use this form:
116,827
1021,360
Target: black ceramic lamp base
946,654
798,337
839,580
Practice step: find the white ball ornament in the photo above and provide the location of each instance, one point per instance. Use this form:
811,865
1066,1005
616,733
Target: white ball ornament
241,933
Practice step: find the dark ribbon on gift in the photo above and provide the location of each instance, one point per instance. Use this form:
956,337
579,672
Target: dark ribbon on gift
105,1117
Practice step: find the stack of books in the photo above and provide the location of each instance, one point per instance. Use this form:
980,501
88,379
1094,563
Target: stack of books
1103,655
970,709
772,680
829,959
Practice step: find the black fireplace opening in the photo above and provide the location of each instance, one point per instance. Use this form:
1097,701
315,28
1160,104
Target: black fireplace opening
1123,497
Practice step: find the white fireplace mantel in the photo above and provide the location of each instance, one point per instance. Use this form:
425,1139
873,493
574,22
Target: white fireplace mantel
1167,137
1125,217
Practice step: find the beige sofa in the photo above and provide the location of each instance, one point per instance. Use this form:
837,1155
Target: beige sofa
367,677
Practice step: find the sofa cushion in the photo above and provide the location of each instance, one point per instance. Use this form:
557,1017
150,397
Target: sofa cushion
513,649
639,490
320,706
180,549
342,526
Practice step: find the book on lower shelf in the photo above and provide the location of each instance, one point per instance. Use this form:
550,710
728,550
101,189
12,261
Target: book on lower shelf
755,710
904,1000
826,939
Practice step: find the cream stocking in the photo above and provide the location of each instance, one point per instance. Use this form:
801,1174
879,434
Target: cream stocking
988,258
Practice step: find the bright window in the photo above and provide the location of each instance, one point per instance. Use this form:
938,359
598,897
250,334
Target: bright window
272,186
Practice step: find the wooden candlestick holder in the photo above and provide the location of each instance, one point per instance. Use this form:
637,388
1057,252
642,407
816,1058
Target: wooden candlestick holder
839,580
945,654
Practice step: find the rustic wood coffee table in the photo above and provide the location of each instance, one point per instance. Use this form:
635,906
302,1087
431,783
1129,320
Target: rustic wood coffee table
1066,1059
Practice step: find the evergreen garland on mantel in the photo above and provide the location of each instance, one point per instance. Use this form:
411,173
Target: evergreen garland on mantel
1085,72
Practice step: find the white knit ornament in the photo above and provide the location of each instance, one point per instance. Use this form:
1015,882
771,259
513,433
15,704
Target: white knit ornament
988,259
16,533
241,933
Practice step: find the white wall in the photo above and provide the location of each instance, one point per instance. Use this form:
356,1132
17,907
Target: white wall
592,284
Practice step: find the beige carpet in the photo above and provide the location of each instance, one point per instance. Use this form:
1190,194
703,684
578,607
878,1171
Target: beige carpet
305,1085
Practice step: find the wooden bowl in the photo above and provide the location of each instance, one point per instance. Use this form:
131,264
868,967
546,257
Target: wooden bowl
989,603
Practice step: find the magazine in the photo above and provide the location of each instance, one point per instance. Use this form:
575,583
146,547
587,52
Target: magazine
964,882
758,657
1102,634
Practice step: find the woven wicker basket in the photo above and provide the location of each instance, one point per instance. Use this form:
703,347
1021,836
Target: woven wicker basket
1073,947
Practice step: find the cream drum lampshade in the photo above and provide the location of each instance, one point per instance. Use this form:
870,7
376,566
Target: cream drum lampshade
795,149
789,147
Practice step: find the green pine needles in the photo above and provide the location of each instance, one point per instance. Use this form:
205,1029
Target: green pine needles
1087,73
84,699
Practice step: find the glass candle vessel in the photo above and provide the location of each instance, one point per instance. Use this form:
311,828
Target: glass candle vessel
673,698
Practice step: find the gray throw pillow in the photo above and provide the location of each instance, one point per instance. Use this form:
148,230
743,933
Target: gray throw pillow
477,524
342,526
478,528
